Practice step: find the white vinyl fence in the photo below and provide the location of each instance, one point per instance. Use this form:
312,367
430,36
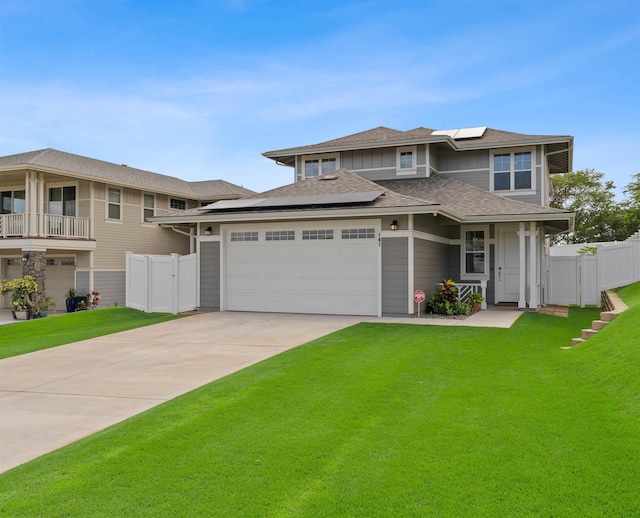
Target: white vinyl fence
579,279
161,283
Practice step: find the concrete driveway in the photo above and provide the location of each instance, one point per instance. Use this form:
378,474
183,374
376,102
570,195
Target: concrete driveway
54,397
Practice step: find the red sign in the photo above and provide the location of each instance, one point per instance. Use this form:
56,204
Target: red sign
418,296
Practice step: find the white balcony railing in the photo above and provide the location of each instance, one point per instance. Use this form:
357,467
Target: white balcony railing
66,226
14,225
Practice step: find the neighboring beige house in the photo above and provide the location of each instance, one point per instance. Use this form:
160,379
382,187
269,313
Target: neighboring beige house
75,217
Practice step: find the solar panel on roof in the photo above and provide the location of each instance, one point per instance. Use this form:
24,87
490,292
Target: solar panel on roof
296,201
470,132
232,204
463,132
448,133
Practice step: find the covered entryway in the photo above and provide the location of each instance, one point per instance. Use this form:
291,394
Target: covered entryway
331,267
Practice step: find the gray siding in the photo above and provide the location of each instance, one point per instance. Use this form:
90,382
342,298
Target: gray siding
421,158
111,286
431,265
82,282
479,179
449,160
381,174
536,198
431,225
210,275
368,158
395,276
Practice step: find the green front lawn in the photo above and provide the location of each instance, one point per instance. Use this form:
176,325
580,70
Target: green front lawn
34,335
376,420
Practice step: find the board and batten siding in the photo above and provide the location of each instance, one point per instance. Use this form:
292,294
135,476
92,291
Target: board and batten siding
210,275
449,160
431,265
395,276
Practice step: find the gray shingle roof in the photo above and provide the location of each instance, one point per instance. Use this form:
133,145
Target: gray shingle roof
382,135
337,182
68,163
462,198
437,192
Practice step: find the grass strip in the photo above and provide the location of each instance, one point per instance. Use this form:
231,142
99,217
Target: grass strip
35,335
376,420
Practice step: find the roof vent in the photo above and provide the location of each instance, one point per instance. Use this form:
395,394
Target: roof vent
329,177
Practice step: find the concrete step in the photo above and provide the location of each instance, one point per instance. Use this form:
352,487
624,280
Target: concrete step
596,325
576,341
588,333
608,316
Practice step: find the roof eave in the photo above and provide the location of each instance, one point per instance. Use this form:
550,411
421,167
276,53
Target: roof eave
312,214
510,218
90,178
306,150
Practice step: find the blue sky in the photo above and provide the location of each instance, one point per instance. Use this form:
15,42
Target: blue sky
199,88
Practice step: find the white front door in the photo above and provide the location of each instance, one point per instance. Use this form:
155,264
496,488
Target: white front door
508,274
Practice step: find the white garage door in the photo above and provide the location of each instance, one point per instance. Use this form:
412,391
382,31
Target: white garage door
329,269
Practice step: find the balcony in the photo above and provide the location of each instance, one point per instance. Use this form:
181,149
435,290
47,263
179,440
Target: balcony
47,225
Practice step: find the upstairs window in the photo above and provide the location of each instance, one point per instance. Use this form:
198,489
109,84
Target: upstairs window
148,209
13,202
176,203
512,171
62,201
406,160
114,204
316,166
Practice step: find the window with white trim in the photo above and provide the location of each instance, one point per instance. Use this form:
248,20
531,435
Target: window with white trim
62,200
280,235
13,202
406,159
474,263
114,208
176,203
512,171
244,236
149,204
315,166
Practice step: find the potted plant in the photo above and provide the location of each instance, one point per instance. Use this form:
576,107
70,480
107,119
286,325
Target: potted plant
69,298
475,299
44,304
21,290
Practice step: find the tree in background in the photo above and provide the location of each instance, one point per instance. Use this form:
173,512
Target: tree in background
630,217
592,200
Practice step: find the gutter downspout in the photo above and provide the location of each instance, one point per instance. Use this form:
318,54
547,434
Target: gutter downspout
191,236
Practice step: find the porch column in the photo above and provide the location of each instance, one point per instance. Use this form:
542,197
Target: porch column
533,267
522,302
33,263
31,203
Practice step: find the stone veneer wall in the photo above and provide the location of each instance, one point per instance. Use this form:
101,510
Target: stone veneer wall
33,263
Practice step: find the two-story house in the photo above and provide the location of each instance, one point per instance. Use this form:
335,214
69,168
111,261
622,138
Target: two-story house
374,216
68,220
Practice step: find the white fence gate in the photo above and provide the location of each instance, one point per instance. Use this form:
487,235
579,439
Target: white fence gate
579,279
161,283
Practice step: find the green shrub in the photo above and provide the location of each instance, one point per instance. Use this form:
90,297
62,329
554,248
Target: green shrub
445,301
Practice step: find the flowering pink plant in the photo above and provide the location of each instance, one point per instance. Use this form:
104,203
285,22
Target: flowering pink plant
94,299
